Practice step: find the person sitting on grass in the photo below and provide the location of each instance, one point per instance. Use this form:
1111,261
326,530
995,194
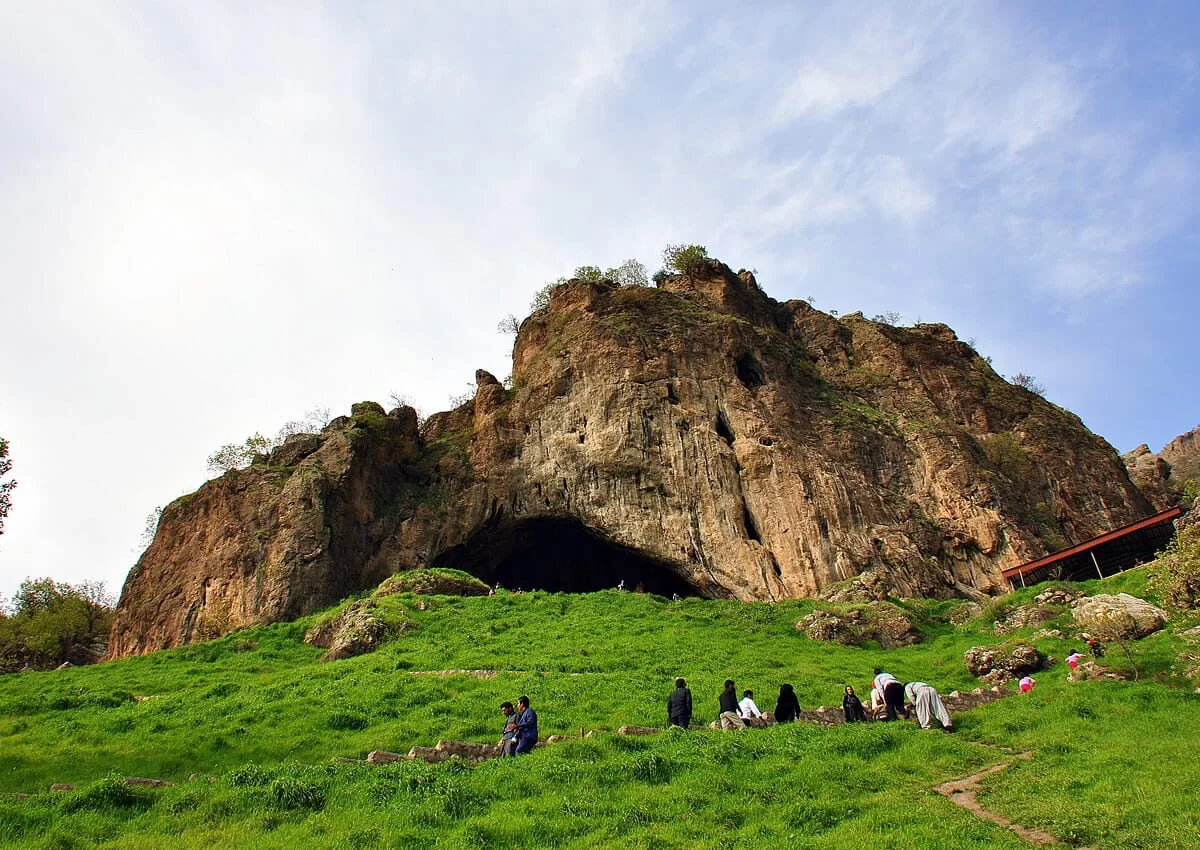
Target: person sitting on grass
527,727
749,713
928,705
787,707
508,741
728,701
852,707
679,705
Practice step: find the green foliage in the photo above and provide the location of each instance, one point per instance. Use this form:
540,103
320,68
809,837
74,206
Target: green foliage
1175,575
684,259
6,487
1007,456
52,622
240,455
297,792
111,792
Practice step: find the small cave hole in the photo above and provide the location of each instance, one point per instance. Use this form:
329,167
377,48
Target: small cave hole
749,371
778,570
560,555
582,437
723,429
672,396
766,441
751,526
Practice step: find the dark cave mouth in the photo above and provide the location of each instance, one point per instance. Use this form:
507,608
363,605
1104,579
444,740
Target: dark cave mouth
561,556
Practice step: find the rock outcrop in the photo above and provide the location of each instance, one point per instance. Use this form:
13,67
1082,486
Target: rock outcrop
698,437
1152,475
1183,455
1118,616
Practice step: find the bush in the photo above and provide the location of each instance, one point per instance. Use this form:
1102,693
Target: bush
436,580
347,721
1175,576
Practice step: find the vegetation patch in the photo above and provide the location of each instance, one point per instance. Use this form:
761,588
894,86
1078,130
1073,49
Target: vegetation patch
435,580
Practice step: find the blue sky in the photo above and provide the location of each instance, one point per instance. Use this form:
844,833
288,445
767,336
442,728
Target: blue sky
217,218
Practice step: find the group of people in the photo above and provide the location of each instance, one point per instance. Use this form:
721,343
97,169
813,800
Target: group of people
520,727
889,700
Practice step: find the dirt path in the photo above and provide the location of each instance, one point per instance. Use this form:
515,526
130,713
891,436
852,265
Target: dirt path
964,792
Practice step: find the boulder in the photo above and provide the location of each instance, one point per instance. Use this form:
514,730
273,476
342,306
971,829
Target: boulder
882,622
382,757
995,664
1025,617
357,630
1057,596
433,582
1118,616
964,612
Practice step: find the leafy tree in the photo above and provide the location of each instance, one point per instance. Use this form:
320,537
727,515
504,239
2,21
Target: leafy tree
1116,627
684,259
239,456
891,317
235,456
1028,382
541,298
6,487
588,274
52,622
629,273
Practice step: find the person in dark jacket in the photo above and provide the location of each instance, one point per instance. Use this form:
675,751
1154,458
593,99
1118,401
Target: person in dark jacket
852,707
730,718
508,741
679,705
527,726
787,707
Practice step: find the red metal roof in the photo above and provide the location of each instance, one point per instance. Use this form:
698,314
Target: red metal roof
1107,537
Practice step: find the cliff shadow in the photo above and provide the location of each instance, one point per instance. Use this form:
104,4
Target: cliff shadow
559,554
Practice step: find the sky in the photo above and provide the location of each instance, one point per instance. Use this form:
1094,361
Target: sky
218,216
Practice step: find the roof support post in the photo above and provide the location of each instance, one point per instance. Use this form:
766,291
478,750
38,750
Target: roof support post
1096,563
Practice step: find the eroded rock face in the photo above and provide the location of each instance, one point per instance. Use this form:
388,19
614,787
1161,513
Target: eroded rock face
1152,475
291,534
694,438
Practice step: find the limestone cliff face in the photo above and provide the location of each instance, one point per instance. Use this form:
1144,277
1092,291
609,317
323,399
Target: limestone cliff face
1183,454
292,533
698,437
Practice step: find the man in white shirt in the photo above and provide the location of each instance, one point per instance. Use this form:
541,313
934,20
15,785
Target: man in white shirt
928,705
748,711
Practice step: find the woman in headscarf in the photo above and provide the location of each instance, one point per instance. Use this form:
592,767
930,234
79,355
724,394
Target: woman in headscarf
787,707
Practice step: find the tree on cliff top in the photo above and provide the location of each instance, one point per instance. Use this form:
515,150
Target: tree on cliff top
6,487
240,455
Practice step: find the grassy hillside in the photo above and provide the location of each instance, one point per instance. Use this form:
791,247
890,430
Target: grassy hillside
260,718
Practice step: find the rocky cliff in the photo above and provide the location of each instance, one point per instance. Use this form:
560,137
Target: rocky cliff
1172,474
698,437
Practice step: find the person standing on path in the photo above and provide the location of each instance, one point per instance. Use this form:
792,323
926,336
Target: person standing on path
893,694
527,726
728,702
928,705
679,705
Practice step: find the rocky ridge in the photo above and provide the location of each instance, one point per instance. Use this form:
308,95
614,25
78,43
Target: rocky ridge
698,437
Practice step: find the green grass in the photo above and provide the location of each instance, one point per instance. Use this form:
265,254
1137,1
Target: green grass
257,712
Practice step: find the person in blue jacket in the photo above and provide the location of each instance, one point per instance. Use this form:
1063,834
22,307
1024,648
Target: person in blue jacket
527,726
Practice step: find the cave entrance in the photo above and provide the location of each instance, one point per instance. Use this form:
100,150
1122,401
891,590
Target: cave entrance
559,555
